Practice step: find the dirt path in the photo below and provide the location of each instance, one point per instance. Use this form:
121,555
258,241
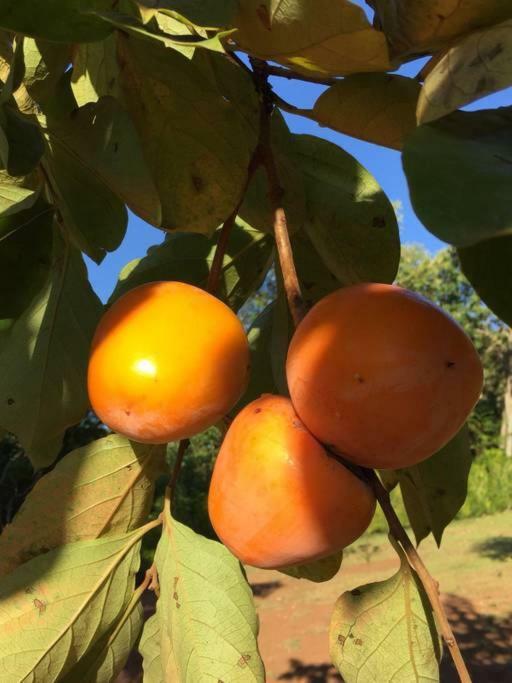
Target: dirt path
474,568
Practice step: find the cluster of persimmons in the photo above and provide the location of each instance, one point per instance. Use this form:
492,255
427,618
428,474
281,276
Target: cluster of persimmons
375,373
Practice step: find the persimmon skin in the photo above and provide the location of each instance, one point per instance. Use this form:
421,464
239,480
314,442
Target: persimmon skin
382,374
168,360
276,497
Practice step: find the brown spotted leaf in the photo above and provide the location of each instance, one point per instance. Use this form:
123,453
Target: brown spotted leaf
385,632
205,626
477,66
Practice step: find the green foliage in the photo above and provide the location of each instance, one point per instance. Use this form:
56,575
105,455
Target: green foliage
490,485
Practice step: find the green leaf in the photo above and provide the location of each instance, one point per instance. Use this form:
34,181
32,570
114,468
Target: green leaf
464,150
14,220
350,220
256,208
57,20
56,607
318,36
105,661
24,139
25,258
319,571
95,71
379,108
315,278
94,216
205,626
103,489
385,632
131,26
416,26
13,196
100,142
188,258
44,356
197,144
487,265
45,62
477,66
206,13
261,378
434,490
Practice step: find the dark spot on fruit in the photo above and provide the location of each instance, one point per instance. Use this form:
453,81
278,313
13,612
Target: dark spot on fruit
450,364
128,413
10,401
359,378
198,183
379,222
358,641
257,410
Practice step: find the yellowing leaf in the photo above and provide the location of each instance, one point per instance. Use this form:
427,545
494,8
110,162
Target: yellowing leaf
477,66
14,197
319,36
55,608
379,108
95,71
105,661
44,356
205,626
414,26
385,632
196,142
103,489
45,63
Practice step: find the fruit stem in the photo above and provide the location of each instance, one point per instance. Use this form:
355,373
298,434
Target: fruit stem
430,585
275,192
171,486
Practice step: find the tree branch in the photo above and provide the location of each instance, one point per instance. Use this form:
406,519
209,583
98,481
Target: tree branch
429,584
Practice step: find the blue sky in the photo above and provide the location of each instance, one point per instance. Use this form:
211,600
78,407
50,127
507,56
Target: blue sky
384,164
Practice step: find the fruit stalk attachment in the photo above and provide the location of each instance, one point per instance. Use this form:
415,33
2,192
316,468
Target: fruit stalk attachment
298,309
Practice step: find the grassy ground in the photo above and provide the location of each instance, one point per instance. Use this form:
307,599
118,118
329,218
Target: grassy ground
473,567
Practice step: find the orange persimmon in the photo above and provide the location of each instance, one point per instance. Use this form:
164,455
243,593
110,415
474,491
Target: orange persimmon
382,374
276,497
168,360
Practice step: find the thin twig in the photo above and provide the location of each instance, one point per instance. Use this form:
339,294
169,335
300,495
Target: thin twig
429,583
275,193
282,72
171,486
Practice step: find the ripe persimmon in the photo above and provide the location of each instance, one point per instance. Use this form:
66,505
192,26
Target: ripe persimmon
276,497
382,374
168,360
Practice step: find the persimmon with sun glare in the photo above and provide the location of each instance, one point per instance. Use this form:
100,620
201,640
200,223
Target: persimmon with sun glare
276,497
382,374
168,360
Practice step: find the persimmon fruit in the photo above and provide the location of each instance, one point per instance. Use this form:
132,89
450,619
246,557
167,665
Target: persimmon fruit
382,374
276,497
168,360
